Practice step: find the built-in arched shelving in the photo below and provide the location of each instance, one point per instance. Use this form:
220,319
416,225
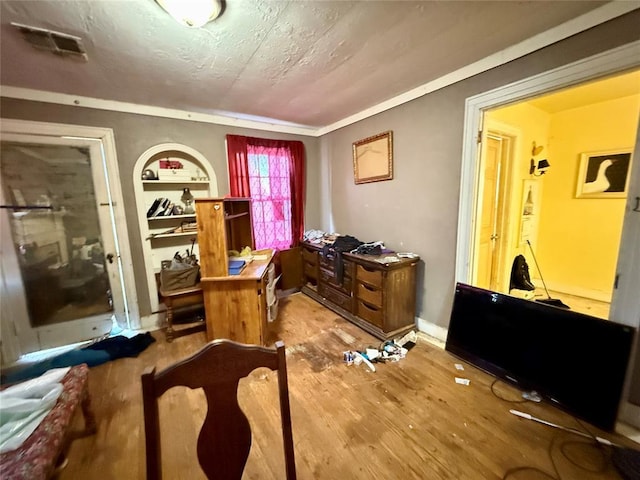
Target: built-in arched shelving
167,231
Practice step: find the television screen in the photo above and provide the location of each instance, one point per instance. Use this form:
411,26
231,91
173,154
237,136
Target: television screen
575,361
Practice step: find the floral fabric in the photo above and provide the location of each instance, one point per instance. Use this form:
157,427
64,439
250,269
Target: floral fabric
36,458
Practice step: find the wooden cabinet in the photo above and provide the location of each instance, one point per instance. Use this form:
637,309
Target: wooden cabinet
379,297
223,224
236,306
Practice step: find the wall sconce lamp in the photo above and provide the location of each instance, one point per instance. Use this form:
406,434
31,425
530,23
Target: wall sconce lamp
192,13
543,166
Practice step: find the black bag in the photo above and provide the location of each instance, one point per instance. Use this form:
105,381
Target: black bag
520,279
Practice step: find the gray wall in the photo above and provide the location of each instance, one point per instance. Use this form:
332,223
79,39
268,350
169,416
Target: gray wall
418,210
136,133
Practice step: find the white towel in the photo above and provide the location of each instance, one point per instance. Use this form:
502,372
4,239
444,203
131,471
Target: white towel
24,406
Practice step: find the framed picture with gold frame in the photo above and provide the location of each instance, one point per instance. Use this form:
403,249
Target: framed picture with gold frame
373,158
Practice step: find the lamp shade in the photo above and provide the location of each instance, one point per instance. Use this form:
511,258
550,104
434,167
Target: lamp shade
543,165
192,13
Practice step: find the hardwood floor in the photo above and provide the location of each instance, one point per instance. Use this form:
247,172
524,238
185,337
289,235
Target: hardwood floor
588,306
408,420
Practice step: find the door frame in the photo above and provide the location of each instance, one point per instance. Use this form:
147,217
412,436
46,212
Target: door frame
105,140
604,64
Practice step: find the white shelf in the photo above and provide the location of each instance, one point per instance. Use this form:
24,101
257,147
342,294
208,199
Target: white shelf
173,235
171,217
174,182
157,243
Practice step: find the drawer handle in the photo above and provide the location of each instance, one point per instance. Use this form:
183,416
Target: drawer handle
371,309
366,269
367,287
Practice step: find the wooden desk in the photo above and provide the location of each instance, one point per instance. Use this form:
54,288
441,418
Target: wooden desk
177,299
236,305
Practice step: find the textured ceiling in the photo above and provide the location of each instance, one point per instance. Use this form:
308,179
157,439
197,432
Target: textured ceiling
305,62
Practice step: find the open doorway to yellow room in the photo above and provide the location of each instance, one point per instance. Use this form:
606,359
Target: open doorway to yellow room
554,174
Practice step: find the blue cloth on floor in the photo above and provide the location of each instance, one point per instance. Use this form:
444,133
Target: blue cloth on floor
93,355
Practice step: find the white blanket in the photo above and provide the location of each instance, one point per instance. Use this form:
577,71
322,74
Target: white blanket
24,406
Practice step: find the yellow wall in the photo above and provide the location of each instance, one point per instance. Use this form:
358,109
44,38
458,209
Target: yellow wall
575,240
579,238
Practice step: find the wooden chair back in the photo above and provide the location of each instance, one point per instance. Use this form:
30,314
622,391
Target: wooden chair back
225,437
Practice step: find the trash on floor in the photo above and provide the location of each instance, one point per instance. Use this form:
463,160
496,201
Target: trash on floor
463,381
390,350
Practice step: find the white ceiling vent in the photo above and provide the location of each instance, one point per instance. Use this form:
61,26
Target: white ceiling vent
56,42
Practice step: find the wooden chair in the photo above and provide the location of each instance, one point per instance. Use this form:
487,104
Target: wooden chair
225,436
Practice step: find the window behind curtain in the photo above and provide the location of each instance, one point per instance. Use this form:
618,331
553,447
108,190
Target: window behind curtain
269,180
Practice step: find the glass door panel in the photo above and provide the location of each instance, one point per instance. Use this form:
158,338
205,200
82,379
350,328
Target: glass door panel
59,246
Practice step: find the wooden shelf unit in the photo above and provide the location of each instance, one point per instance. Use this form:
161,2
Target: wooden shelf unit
235,305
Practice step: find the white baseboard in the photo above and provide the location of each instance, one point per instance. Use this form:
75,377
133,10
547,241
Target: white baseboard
151,322
431,329
630,415
574,290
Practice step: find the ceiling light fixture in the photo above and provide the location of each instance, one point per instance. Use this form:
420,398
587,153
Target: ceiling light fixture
192,13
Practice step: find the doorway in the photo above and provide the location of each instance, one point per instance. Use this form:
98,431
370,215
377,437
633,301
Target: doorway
573,238
625,307
62,265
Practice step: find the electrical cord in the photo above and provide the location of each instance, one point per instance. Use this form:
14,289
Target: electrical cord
564,448
557,476
504,399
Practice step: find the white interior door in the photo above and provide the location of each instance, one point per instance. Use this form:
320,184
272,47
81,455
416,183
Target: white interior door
62,272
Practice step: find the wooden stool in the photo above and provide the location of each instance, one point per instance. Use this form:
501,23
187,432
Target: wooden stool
177,299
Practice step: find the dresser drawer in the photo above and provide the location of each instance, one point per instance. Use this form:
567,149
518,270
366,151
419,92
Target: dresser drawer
371,314
371,295
309,256
369,276
310,270
330,278
340,299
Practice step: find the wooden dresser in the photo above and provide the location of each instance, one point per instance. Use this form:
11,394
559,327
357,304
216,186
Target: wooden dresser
236,306
378,297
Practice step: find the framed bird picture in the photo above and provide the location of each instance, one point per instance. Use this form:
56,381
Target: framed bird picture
604,174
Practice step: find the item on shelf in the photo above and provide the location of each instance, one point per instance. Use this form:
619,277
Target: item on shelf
187,199
188,227
160,208
180,272
174,175
236,266
171,164
149,174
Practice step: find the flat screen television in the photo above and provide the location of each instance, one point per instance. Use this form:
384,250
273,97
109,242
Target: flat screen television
576,362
